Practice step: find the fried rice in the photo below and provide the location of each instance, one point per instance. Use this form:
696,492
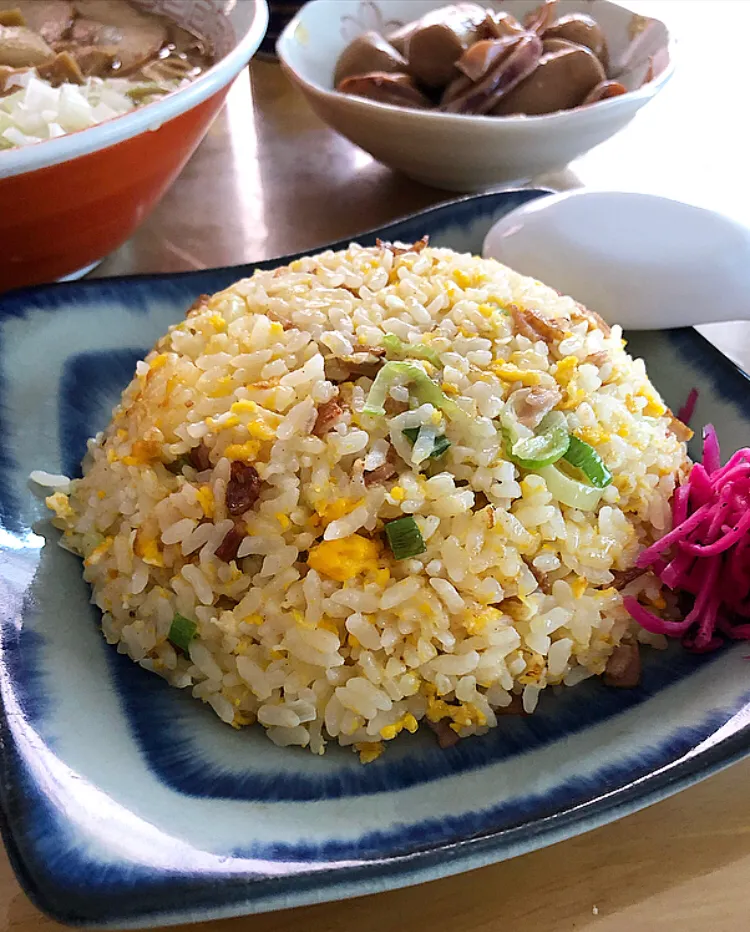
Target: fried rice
235,517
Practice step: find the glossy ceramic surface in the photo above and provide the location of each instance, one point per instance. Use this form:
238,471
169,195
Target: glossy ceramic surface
458,152
67,202
644,262
125,802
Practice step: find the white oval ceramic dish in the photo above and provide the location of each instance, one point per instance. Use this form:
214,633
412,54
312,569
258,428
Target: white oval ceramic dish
642,261
454,151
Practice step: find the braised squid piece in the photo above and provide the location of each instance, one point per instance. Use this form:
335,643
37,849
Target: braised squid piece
482,57
516,62
67,41
464,58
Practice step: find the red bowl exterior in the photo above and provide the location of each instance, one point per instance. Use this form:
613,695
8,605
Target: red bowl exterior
56,220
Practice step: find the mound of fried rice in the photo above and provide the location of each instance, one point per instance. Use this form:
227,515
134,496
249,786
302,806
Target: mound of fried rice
241,486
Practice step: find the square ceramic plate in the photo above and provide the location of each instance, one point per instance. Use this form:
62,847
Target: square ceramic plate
126,803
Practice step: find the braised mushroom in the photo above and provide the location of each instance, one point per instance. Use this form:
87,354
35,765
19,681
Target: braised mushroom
433,44
559,82
367,53
583,30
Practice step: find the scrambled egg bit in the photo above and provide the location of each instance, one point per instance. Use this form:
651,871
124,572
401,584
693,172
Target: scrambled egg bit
60,504
369,751
510,373
326,512
345,558
205,497
147,548
408,722
458,716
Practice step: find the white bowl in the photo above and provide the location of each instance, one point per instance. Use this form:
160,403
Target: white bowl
454,151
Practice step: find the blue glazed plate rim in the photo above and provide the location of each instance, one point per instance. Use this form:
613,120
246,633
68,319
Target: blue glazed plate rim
214,897
230,898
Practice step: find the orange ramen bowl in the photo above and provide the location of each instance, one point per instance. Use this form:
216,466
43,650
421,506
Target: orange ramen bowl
66,203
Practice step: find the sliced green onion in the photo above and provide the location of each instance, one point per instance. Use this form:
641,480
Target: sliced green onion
544,447
375,402
426,391
181,632
176,466
405,538
584,457
440,446
396,347
569,491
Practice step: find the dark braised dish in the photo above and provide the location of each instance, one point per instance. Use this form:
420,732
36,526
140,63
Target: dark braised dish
467,59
